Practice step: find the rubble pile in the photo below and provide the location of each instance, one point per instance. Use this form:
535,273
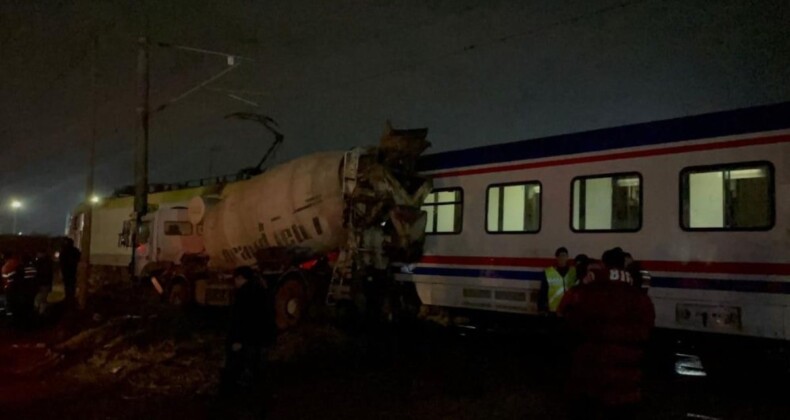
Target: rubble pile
126,346
134,351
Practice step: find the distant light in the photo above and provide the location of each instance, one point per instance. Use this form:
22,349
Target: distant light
19,234
95,199
16,204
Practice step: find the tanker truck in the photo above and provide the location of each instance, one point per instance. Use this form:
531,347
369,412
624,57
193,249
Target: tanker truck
317,227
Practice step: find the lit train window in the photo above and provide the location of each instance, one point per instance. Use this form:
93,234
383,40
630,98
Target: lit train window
728,197
606,203
513,208
445,210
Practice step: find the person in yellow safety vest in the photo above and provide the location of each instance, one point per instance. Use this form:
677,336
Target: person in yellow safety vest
558,279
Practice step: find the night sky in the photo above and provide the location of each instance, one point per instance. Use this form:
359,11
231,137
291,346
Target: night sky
332,72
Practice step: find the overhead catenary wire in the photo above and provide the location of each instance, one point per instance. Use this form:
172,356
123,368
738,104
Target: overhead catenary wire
195,88
472,47
475,46
204,51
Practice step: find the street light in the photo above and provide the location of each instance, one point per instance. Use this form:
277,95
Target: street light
15,206
95,199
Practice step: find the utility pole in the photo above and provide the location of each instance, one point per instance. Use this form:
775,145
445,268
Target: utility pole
84,268
89,182
141,146
143,116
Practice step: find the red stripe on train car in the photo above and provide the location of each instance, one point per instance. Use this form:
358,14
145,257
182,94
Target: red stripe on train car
759,141
492,261
668,266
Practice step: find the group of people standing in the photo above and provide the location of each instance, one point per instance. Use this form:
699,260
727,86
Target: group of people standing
604,312
27,280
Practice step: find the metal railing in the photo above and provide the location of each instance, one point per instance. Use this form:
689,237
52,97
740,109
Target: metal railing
193,183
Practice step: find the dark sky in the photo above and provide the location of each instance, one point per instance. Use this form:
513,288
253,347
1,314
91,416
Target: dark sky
331,73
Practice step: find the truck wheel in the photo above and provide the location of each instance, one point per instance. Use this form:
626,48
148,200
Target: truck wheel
179,292
290,303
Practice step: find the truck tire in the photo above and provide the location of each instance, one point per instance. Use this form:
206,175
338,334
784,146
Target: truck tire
179,292
290,302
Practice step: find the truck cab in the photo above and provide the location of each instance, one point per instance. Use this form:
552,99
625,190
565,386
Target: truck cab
166,235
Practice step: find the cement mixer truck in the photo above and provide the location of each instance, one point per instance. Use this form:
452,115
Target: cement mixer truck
317,227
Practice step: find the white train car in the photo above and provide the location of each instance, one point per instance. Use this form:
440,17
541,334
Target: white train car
703,202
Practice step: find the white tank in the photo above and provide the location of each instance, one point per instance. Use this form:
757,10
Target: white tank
364,203
295,204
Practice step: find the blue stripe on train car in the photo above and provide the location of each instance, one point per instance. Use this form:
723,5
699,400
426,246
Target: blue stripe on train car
727,123
746,286
479,272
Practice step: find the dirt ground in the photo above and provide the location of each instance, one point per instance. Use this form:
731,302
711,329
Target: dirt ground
130,358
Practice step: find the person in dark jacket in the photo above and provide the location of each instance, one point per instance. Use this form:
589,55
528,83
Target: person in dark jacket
584,269
252,330
21,277
43,281
69,260
641,277
608,344
43,266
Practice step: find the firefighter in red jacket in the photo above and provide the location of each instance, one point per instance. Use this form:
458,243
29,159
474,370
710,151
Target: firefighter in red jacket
610,321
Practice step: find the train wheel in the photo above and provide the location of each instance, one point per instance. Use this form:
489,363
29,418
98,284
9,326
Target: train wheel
290,303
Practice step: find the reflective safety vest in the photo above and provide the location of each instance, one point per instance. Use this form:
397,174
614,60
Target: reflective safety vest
558,285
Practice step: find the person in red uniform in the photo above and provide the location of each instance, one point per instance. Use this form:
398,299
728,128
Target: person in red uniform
609,321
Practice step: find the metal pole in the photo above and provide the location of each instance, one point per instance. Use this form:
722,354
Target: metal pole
84,267
141,146
89,182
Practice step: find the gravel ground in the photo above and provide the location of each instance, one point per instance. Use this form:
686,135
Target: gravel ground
164,364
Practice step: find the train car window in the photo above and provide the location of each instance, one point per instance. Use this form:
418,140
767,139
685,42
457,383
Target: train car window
607,203
728,197
445,209
513,208
175,228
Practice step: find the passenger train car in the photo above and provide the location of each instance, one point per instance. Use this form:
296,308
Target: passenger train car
703,202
